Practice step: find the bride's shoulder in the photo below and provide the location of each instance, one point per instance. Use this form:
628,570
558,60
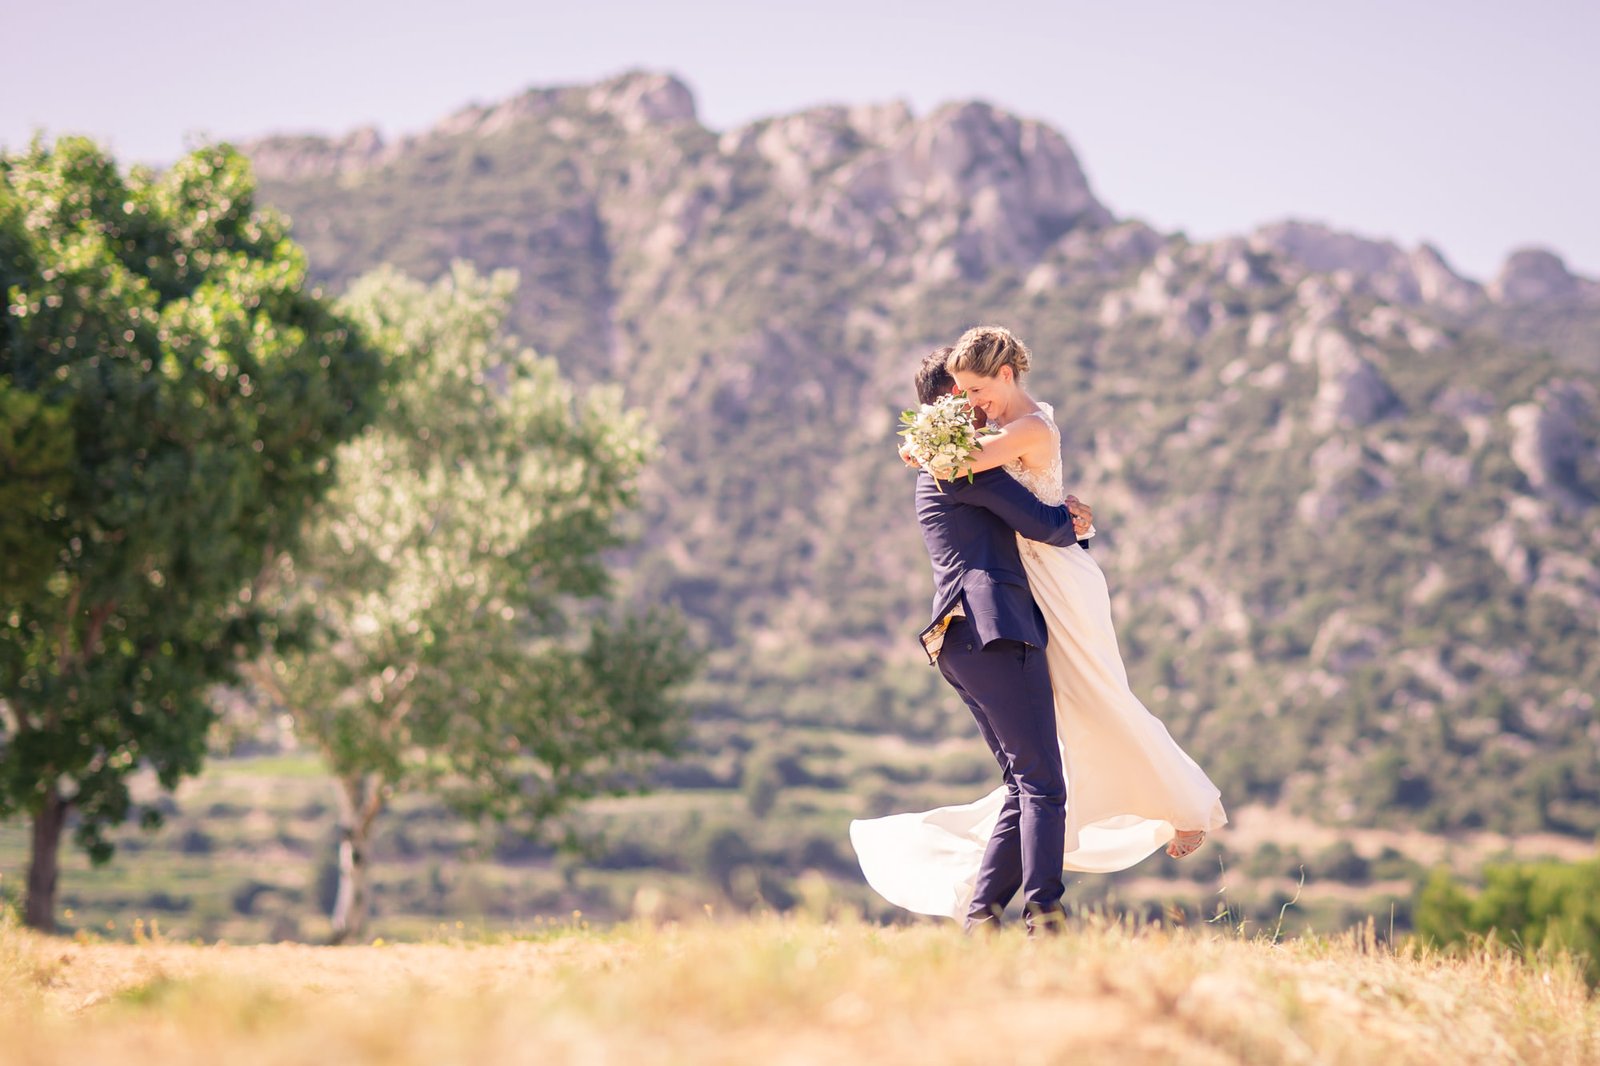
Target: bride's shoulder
1045,414
1031,425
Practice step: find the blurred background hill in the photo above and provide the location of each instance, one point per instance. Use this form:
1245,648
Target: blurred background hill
1348,494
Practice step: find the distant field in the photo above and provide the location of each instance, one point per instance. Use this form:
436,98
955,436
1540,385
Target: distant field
247,856
790,991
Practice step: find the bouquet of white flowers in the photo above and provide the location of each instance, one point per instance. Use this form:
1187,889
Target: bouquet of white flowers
942,436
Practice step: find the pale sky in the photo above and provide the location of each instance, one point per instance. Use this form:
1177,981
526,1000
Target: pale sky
1473,124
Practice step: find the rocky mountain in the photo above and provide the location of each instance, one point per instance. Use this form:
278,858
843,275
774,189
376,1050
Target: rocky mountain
1348,496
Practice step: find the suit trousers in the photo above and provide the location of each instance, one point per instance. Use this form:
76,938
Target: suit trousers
1006,685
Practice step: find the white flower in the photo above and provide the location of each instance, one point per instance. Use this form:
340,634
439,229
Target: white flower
940,436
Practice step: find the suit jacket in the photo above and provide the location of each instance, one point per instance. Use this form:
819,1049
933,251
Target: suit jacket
970,530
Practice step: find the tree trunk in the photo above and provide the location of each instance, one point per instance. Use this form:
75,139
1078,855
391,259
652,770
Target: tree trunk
44,862
360,800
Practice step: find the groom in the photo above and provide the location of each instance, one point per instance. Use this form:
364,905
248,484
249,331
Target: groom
987,637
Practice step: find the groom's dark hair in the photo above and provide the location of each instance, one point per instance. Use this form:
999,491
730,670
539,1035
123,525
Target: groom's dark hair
933,379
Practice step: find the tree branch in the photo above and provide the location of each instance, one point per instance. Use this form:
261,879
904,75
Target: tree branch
62,653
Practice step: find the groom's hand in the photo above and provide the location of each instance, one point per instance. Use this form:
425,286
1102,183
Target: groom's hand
1082,516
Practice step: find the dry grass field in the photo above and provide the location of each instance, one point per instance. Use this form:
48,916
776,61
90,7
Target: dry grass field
790,991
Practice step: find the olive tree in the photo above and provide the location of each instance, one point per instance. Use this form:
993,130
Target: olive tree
452,592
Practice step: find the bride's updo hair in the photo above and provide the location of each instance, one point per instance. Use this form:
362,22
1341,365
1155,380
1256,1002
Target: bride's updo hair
983,350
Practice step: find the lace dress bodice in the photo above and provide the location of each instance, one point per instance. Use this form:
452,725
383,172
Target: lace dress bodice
1047,483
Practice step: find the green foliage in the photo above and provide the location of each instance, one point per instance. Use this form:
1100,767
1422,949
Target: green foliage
36,460
766,773
170,397
1534,906
1341,862
452,589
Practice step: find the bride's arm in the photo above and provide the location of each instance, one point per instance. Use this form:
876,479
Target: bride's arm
1024,438
1021,509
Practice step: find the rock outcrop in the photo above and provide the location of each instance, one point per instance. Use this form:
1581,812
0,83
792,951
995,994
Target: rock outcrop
969,188
291,157
1381,268
1556,435
1534,275
640,99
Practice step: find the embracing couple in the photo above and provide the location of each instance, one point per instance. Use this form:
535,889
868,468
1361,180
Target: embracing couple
1022,630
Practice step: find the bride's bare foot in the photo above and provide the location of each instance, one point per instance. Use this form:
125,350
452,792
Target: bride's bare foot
1186,842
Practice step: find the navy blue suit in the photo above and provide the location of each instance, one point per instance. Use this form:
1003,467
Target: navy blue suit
994,658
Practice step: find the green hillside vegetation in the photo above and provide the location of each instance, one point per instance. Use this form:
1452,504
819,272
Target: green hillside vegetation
1339,587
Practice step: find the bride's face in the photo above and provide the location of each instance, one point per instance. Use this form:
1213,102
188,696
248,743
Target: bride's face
993,395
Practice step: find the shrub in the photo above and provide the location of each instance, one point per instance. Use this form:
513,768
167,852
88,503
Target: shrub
1341,862
196,841
1535,906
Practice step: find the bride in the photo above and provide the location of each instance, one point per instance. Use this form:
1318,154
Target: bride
1130,787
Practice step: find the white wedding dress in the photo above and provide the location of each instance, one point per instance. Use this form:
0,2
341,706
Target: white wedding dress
1129,786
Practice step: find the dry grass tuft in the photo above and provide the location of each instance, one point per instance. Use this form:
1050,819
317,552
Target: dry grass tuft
792,991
